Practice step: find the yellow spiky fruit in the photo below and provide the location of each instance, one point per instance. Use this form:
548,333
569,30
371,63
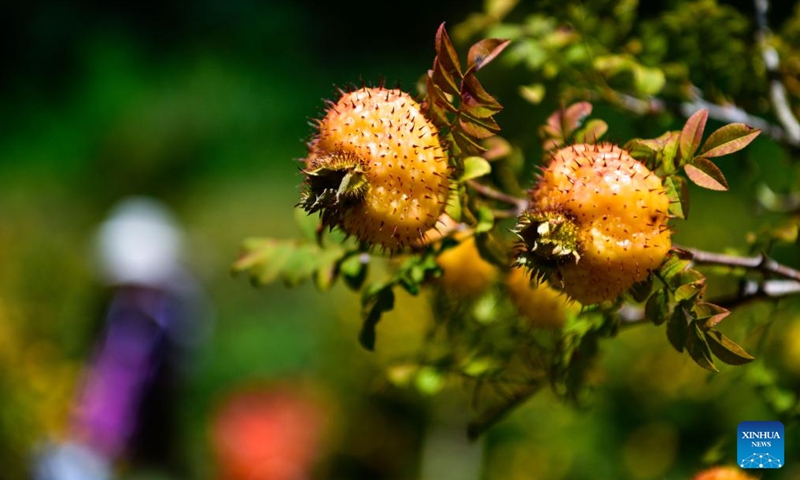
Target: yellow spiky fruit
465,274
377,169
597,223
542,305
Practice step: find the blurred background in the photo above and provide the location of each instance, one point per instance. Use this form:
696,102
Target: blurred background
205,106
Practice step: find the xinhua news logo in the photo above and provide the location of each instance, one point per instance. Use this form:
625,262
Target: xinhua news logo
760,445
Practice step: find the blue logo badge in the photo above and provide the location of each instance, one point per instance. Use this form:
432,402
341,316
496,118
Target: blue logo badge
760,445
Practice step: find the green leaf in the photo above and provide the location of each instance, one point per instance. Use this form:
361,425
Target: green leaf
648,80
300,264
726,349
678,194
429,381
611,65
677,327
688,291
669,151
657,307
592,131
692,134
485,218
483,52
685,277
475,167
354,270
639,149
377,299
533,93
712,314
672,265
498,9
325,277
683,194
292,261
728,139
698,348
641,290
308,224
415,271
662,151
705,174
454,201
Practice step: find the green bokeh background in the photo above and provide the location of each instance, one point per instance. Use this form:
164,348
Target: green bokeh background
205,105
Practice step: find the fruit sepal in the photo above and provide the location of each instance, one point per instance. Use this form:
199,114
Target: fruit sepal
333,188
548,238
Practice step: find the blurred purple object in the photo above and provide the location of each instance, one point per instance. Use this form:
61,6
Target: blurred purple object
156,316
126,362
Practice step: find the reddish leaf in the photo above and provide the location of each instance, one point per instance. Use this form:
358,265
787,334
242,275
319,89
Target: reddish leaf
467,144
444,78
574,116
479,110
497,147
728,139
705,174
475,128
473,94
565,121
446,54
484,51
692,134
661,143
712,314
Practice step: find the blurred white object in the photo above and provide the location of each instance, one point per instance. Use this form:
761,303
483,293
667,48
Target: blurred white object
71,461
140,243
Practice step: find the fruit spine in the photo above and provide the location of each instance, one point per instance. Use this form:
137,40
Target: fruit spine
377,169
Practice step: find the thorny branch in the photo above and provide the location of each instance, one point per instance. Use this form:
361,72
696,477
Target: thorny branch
787,132
519,204
749,291
724,113
760,262
777,91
